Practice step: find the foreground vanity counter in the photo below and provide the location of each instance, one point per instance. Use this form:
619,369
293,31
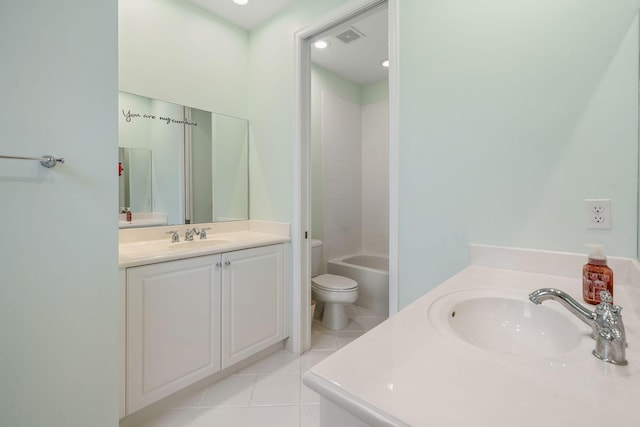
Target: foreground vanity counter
192,309
413,370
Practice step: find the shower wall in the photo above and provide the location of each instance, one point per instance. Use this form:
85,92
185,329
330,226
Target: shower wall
341,176
375,178
355,177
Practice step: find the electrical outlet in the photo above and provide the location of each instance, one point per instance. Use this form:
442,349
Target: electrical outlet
598,213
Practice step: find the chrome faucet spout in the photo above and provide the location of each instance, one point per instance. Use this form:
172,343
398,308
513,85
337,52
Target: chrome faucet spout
605,322
188,236
588,317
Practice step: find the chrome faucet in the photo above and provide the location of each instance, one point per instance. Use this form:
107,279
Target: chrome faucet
188,235
605,322
175,238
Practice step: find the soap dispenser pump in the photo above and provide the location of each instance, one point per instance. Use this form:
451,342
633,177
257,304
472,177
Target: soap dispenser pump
596,276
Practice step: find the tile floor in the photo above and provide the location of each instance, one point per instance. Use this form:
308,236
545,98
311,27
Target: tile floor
269,392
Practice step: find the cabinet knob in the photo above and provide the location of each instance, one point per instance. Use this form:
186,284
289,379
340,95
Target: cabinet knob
218,264
227,262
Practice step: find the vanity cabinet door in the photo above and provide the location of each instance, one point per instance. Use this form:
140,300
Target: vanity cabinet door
173,327
253,298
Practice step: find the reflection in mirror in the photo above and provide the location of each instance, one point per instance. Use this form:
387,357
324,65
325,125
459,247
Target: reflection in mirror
135,189
199,155
199,160
135,179
231,168
219,171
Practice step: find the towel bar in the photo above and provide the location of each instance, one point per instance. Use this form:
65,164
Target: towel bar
47,160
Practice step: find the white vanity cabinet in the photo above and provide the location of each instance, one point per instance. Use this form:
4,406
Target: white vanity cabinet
188,319
252,302
173,327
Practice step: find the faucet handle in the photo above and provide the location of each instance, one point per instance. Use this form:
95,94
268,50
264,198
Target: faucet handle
175,238
606,309
203,232
605,297
609,318
611,340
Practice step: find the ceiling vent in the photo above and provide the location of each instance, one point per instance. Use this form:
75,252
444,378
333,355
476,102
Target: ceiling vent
349,35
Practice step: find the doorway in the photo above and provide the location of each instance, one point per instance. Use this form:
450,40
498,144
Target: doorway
340,185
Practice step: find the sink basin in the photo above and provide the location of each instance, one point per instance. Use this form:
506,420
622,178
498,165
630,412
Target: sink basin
198,244
508,324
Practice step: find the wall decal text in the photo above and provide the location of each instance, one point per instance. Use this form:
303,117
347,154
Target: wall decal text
129,116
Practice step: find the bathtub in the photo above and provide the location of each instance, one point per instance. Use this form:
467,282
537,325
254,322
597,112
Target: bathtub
372,274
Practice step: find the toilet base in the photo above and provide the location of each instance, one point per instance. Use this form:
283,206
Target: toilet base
335,316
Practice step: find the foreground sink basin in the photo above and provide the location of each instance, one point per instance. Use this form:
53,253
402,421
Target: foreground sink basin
508,324
197,244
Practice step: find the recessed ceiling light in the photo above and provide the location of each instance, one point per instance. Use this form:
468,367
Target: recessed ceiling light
321,44
385,63
241,2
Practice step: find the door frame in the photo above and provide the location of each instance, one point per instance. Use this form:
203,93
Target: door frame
301,230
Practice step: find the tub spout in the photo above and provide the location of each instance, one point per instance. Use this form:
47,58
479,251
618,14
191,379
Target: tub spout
605,322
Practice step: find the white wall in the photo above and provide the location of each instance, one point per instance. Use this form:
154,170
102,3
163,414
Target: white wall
375,178
176,51
271,109
355,177
365,183
341,176
323,81
513,112
230,168
59,257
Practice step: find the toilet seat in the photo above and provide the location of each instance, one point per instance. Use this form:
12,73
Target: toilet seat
334,283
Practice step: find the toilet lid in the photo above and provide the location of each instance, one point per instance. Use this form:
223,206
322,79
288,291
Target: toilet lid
332,282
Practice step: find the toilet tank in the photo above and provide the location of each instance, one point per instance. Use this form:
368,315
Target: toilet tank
316,257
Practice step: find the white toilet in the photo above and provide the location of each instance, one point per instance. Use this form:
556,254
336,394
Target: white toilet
332,290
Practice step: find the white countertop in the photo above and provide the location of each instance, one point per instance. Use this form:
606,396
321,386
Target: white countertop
142,219
152,245
408,372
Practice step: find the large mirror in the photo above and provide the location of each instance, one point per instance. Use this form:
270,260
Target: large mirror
195,164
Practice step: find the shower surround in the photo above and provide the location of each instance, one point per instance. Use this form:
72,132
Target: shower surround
355,177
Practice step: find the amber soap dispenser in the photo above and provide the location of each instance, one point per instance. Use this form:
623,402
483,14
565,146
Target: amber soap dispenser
596,276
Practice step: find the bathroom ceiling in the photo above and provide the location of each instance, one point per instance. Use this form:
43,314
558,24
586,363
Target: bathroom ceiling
357,61
248,16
